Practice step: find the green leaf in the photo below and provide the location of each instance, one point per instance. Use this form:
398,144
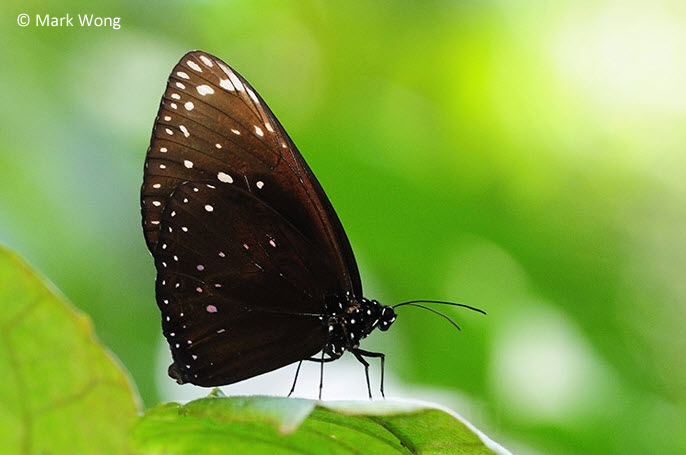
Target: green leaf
61,391
271,425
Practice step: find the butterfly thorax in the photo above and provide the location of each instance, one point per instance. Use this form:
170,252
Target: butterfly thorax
350,319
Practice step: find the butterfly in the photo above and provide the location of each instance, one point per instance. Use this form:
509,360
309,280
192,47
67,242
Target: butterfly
254,269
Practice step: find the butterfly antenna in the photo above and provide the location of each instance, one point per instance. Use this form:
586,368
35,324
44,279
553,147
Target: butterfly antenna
442,302
433,311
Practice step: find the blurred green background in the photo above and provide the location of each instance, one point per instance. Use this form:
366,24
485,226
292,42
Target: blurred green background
528,158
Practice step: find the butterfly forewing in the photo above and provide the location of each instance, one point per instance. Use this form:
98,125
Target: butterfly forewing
247,246
236,300
212,126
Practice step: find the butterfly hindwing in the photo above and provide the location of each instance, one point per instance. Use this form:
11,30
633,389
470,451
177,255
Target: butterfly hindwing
237,298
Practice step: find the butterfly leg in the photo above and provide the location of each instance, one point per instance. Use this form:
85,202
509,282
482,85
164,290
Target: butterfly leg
361,352
297,371
321,362
361,359
321,376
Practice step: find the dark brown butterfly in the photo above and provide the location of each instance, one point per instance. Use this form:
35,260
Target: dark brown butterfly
254,269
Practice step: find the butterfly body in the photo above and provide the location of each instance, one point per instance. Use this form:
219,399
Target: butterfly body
254,269
350,321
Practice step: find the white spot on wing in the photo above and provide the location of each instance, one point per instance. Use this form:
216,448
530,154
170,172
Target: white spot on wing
224,177
209,208
252,95
259,131
206,61
180,85
260,184
176,96
163,149
184,130
218,145
236,82
235,132
204,90
188,164
169,132
189,106
226,85
183,75
194,66
211,309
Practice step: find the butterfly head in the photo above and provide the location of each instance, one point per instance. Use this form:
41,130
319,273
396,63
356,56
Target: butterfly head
375,315
386,317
